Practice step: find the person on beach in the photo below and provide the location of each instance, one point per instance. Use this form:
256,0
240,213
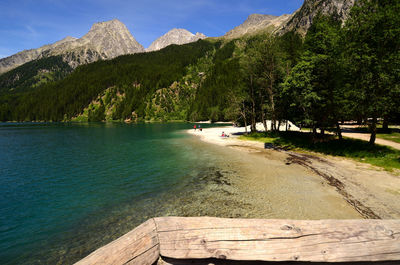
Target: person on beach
224,135
194,127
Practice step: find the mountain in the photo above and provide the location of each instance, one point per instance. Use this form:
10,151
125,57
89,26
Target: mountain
302,19
105,40
34,74
187,82
175,36
255,23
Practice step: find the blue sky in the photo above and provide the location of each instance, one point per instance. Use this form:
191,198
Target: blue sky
27,24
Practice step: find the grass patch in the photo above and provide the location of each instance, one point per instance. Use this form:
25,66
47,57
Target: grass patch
269,138
394,136
359,150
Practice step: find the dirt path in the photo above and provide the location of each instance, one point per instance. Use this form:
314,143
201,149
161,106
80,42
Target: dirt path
366,136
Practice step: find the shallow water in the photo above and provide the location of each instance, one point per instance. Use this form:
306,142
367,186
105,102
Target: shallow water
67,189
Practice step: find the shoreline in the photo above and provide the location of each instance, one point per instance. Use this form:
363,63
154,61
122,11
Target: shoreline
371,192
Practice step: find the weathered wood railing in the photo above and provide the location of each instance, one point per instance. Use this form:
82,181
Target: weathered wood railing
180,238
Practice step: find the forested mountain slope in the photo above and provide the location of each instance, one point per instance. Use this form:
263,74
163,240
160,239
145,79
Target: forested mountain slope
136,76
33,74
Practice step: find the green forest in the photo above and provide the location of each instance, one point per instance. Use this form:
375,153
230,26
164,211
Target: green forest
336,72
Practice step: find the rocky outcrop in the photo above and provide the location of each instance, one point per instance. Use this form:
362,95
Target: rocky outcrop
105,40
175,36
256,23
300,21
303,18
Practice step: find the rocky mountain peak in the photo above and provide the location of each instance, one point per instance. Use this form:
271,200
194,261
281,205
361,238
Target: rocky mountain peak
105,40
175,36
111,24
111,38
256,22
303,18
198,34
254,19
67,39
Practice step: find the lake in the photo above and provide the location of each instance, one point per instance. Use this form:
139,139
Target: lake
68,189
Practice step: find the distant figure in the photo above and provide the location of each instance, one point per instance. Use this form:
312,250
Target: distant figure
289,126
224,135
194,127
201,129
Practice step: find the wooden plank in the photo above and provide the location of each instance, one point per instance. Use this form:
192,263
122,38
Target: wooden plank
279,240
168,261
138,247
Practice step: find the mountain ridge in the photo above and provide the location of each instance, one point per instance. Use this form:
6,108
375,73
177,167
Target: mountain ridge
175,36
300,21
255,23
105,40
110,39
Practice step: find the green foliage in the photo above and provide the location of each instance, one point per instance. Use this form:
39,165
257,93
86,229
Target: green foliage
314,83
291,45
372,37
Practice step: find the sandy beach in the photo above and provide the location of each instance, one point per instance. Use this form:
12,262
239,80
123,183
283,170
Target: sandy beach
350,189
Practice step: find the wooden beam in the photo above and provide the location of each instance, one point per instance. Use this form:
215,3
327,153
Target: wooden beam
221,241
140,246
279,240
167,261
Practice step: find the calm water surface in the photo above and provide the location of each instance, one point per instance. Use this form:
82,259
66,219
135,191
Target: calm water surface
67,189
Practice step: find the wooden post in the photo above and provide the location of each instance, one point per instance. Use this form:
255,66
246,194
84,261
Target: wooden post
254,240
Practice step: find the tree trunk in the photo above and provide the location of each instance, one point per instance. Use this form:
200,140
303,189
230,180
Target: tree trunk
287,123
322,131
385,125
253,107
263,115
271,98
253,118
339,131
244,118
373,131
270,91
314,130
264,121
279,125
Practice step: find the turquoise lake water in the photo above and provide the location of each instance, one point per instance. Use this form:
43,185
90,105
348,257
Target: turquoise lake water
67,189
